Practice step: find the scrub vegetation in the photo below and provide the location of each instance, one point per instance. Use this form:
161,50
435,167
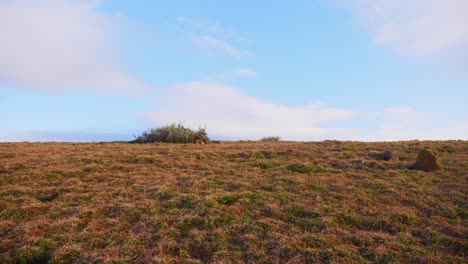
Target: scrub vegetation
175,133
237,202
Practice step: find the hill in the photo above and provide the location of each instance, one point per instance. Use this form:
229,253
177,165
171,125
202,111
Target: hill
236,202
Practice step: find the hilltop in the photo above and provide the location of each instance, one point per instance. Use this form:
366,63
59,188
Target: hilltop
235,202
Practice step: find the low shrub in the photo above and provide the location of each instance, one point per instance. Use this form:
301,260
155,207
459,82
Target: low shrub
302,168
228,199
270,139
266,165
173,134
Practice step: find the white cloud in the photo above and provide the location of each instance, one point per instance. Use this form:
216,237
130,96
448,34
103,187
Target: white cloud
403,116
246,73
233,74
212,37
401,123
201,26
60,44
220,45
63,136
231,114
417,27
228,113
406,123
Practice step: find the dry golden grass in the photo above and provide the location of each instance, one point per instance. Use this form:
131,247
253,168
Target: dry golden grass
236,202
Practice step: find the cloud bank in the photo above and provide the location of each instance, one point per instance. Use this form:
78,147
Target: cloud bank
229,113
59,45
416,27
63,136
406,123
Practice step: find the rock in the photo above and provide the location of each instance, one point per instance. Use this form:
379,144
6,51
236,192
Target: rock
289,152
245,154
390,155
373,165
427,161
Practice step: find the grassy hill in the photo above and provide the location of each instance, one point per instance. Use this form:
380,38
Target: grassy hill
231,203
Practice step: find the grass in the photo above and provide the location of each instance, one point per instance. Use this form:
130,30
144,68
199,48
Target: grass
302,168
248,202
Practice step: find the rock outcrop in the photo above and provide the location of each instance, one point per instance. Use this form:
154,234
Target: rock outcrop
427,161
390,155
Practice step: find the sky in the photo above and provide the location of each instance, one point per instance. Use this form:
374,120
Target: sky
308,70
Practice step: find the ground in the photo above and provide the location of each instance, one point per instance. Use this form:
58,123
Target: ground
238,202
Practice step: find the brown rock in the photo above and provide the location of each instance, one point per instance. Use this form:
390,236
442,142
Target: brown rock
427,161
390,155
245,154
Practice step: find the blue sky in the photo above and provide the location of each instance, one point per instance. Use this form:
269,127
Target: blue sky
81,70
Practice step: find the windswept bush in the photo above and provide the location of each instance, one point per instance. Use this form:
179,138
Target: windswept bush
172,134
270,139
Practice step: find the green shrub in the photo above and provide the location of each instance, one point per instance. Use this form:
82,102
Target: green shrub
299,168
300,212
173,134
302,168
266,165
228,199
270,139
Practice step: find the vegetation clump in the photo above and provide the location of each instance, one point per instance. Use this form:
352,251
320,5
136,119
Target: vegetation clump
299,168
175,133
270,139
302,168
228,199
